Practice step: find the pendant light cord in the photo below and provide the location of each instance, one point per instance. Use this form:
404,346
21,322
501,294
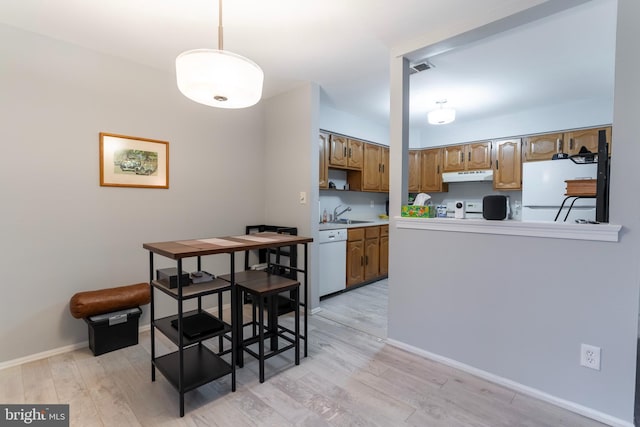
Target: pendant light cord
220,44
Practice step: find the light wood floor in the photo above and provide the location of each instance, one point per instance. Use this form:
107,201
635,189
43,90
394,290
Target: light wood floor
351,378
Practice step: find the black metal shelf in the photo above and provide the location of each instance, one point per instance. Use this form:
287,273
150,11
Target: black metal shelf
164,325
201,366
193,290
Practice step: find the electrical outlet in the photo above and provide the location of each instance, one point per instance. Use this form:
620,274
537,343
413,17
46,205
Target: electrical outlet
590,356
303,197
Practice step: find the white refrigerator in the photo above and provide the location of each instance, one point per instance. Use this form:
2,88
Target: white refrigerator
543,189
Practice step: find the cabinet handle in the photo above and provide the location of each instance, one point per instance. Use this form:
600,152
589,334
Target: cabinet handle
461,157
558,147
570,144
438,169
349,152
366,260
379,167
497,164
382,168
469,155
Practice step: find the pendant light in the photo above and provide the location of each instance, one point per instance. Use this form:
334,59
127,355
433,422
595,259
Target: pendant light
217,77
441,116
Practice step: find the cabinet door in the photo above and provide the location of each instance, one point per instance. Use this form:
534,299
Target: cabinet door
372,168
478,156
355,262
507,171
587,138
384,255
371,258
338,151
323,141
414,171
453,160
384,175
542,147
355,153
430,176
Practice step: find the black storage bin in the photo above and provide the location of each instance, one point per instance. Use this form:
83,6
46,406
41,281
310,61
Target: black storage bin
113,331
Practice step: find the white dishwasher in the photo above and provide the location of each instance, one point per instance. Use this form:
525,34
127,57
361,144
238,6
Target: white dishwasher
333,261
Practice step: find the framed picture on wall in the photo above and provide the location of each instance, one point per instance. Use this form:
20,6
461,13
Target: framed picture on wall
130,161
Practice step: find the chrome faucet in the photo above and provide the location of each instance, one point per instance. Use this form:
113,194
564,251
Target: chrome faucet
336,214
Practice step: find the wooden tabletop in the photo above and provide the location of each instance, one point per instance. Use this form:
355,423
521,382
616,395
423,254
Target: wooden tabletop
220,245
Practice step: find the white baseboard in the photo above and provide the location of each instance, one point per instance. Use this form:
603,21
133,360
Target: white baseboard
529,391
55,352
315,310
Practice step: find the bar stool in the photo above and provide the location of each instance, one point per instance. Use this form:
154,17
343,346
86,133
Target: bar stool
269,287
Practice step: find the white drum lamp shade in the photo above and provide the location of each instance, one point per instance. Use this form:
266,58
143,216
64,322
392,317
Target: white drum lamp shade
219,78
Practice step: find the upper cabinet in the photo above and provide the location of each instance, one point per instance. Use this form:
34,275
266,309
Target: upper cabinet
345,152
587,138
376,168
543,147
323,141
474,156
414,171
431,171
507,169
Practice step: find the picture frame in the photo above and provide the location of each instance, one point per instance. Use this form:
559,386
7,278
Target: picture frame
131,161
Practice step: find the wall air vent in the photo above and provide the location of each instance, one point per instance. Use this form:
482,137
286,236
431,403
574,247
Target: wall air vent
419,67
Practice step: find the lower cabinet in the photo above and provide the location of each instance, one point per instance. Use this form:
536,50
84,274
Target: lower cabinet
367,254
384,250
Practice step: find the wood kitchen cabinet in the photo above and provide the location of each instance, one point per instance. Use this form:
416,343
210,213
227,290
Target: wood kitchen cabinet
375,173
371,253
587,138
355,256
345,152
414,170
430,171
384,250
507,169
367,254
473,156
323,141
542,147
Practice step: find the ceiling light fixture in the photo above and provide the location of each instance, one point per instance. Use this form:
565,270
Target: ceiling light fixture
219,78
441,116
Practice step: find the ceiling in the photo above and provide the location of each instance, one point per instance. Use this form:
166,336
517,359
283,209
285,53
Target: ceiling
344,46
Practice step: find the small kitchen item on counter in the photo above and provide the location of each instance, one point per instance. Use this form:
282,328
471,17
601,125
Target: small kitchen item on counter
441,211
414,211
495,207
460,209
332,184
421,199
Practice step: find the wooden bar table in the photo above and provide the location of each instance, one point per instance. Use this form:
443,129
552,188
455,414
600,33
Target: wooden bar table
203,365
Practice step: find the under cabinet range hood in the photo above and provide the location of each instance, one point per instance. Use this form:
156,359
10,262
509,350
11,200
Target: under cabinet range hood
468,176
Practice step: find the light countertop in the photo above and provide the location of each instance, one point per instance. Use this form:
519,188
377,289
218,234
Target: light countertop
370,223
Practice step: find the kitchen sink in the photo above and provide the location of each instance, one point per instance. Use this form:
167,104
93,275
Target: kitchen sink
349,221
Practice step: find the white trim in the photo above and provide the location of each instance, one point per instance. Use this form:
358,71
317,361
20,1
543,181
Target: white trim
55,352
553,230
319,309
529,391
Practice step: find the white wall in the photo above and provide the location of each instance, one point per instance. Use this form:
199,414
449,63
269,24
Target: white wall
63,233
334,120
291,158
521,306
570,115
